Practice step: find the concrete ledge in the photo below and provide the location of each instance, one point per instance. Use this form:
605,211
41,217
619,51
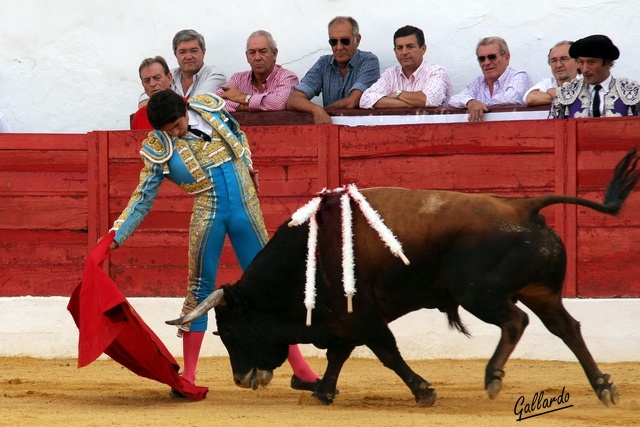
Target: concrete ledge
42,327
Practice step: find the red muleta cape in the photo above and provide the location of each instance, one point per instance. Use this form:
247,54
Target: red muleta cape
108,324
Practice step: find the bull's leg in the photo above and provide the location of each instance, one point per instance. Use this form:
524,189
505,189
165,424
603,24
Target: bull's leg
512,322
378,337
336,356
549,308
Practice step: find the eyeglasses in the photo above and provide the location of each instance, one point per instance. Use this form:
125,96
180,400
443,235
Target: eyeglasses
344,42
562,60
491,57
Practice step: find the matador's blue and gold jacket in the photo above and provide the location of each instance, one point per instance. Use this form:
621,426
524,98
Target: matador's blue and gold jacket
184,160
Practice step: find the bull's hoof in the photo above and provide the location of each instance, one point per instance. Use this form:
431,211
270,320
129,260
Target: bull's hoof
493,383
426,398
607,391
493,388
324,398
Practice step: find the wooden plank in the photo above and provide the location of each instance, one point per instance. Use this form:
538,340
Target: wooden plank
608,134
43,142
38,280
34,183
566,183
446,139
43,161
163,282
607,260
44,212
492,172
42,247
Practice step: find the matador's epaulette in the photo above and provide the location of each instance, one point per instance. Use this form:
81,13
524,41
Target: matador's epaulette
629,91
569,91
157,147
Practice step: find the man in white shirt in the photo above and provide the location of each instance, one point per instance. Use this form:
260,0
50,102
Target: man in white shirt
413,83
499,84
564,69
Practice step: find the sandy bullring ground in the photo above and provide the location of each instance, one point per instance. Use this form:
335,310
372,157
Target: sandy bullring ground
54,392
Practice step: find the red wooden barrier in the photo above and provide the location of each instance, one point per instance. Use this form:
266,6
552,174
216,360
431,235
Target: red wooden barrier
59,193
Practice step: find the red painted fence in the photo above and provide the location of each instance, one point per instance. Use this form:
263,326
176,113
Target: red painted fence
59,193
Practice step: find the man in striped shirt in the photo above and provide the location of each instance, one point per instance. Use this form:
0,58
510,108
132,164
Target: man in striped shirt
499,83
267,86
413,83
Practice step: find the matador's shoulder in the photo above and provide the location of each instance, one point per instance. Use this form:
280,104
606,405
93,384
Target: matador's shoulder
157,147
629,91
207,102
569,91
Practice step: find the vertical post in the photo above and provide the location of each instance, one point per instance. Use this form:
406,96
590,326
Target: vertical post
97,186
566,183
329,157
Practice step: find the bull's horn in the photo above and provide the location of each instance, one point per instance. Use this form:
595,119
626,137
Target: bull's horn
211,301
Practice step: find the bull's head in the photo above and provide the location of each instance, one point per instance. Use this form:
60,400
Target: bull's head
253,357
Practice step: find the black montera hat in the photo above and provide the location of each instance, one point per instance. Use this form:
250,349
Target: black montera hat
596,46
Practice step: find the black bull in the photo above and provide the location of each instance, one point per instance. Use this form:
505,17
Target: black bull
479,251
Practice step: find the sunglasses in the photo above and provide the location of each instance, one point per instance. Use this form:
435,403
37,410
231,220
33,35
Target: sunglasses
491,57
344,42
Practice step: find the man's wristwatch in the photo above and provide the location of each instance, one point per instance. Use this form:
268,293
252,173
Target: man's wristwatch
398,93
247,98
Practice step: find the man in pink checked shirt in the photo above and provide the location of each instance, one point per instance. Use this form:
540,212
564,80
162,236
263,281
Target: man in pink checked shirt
499,84
267,86
413,83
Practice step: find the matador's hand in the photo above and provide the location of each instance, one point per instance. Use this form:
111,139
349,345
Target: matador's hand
254,178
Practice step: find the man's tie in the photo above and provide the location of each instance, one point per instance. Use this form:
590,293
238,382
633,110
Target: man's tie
198,132
596,100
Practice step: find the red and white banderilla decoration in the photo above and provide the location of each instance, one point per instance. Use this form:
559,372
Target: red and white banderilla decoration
308,212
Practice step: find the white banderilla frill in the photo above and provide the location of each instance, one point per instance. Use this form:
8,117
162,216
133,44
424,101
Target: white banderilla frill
308,212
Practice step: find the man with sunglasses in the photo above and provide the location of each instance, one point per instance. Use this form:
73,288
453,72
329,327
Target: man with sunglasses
340,77
499,83
413,83
598,93
564,69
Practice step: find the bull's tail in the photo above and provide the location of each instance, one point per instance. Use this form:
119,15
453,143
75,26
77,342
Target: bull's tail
625,178
454,321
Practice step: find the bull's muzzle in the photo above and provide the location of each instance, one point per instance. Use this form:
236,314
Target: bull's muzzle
253,378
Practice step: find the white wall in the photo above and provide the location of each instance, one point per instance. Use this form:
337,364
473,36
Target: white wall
42,327
71,66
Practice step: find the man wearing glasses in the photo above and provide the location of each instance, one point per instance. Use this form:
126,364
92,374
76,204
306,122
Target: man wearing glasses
499,83
564,69
598,93
191,77
340,77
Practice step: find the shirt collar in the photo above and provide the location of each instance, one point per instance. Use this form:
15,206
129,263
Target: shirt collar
605,84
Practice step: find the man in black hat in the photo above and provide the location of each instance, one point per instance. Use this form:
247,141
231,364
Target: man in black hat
598,93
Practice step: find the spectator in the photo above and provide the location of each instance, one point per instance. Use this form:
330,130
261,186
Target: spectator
155,76
340,77
4,126
191,77
564,69
413,83
598,93
499,83
200,147
267,86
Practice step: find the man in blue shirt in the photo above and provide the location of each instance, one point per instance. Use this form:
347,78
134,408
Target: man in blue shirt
340,77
